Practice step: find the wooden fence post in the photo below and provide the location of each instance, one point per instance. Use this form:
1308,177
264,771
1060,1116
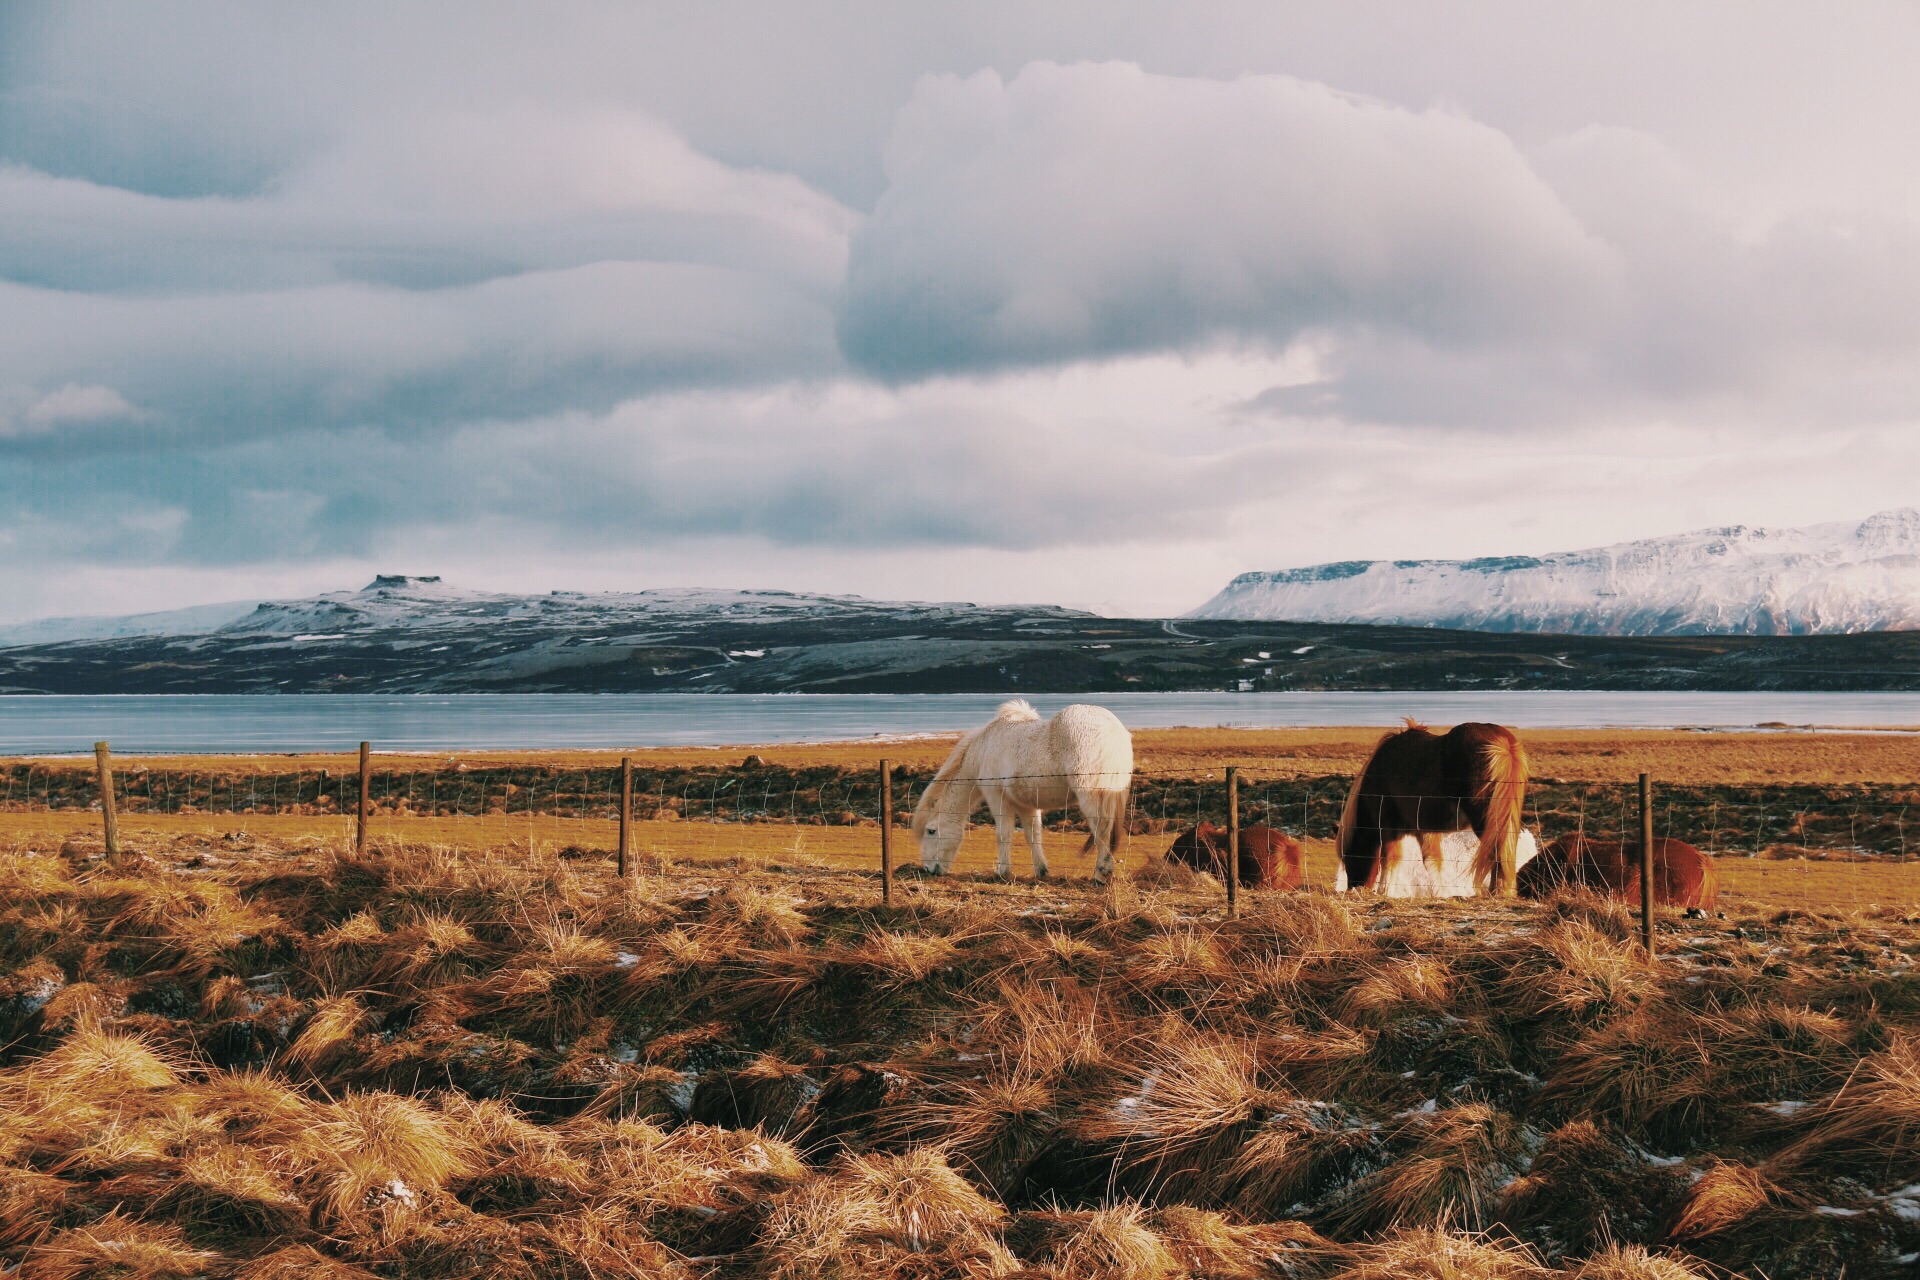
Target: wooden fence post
103,765
366,776
1646,865
886,833
626,811
1233,841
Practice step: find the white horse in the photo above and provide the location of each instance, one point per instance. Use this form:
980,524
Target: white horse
1442,870
1021,766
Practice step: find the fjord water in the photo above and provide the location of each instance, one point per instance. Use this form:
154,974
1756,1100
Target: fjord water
44,725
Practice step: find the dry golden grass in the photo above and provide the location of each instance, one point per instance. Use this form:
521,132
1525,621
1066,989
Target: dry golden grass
1438,1253
877,1217
434,1062
1726,1195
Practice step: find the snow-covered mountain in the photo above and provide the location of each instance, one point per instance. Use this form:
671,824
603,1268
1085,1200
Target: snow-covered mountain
401,602
396,602
1822,579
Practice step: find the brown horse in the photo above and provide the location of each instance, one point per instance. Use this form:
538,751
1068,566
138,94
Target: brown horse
1420,783
1269,859
1682,875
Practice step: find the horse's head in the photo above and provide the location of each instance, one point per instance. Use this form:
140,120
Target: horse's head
938,825
939,844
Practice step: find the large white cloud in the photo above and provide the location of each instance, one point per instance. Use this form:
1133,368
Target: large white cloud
1446,275
1097,209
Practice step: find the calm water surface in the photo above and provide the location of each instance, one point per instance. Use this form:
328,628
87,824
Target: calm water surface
215,723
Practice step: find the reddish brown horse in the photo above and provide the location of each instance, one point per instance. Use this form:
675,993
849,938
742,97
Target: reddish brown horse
1269,859
1418,782
1682,875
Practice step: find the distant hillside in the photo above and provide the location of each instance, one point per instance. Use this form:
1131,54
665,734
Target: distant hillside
418,635
1825,579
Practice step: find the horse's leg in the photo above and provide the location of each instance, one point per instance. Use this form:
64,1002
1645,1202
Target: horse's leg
1003,819
1031,825
1101,825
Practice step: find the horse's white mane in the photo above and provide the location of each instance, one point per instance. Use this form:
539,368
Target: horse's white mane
1017,709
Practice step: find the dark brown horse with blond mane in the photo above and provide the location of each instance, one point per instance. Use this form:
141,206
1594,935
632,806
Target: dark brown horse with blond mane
1420,783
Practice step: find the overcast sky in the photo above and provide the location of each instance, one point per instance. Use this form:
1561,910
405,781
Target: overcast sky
1092,304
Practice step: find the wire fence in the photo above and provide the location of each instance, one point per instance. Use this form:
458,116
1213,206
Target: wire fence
1789,820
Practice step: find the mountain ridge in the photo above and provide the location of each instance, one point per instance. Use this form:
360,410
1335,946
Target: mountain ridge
1840,577
416,635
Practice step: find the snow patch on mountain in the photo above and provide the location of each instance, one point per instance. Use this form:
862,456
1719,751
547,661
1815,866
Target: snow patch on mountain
195,620
1739,580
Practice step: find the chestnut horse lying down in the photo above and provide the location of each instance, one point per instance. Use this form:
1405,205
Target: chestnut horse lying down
1682,875
1269,859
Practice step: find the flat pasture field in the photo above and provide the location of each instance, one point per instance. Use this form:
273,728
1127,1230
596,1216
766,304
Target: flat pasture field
1745,882
1672,756
1880,765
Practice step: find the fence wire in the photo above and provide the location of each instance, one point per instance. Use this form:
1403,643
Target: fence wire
1788,820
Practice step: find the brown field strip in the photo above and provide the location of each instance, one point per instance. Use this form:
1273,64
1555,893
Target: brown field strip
1747,883
1683,757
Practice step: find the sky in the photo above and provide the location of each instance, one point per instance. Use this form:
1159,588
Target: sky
1092,304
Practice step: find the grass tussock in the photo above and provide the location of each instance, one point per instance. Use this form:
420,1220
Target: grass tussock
885,1216
300,1262
1633,1262
1726,1194
115,1247
1871,1124
1438,1253
1113,1243
1456,1163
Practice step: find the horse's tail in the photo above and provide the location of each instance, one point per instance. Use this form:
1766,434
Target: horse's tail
1708,894
1110,813
1505,772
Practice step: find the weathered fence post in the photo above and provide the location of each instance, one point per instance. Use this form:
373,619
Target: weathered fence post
626,811
1233,841
1646,865
103,765
366,776
886,833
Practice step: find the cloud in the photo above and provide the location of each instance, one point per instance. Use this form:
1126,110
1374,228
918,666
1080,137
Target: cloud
1447,276
448,268
1093,210
1058,458
78,404
218,367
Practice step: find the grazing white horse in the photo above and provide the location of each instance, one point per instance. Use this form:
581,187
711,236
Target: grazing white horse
1445,871
1022,766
